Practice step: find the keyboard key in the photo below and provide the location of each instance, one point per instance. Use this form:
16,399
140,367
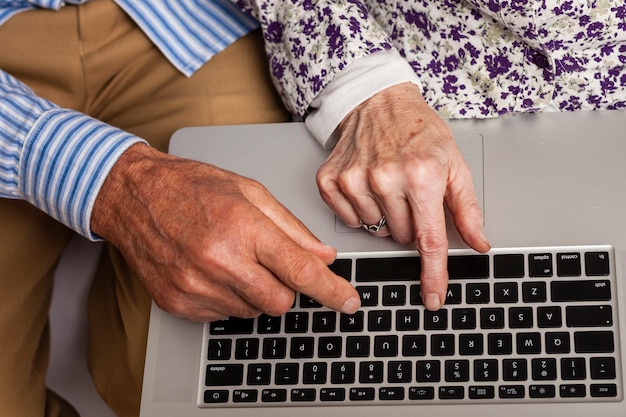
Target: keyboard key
534,292
388,269
386,346
223,375
442,345
528,343
379,320
332,394
371,372
399,372
329,347
453,295
391,394
314,373
342,373
457,371
247,349
308,302
231,326
436,320
520,317
324,321
287,373
468,267
268,324
558,343
357,346
471,344
463,319
414,345
549,317
505,292
508,266
415,295
544,369
589,316
275,348
540,265
407,320
394,295
594,342
274,395
514,370
303,394
216,396
482,392
362,394
477,293
603,390
563,291
492,318
451,393
245,396
500,343
597,264
259,374
219,349
421,393
573,390
343,268
511,391
573,368
486,370
602,368
296,322
542,391
369,296
352,323
302,347
568,264
428,371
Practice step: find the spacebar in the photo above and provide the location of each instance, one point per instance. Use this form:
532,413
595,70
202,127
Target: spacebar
593,290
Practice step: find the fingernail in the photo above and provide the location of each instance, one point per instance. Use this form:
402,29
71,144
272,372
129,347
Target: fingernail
432,302
351,306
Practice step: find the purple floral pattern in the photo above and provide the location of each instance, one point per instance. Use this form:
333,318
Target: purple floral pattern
475,58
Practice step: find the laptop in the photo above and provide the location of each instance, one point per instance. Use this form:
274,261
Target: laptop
535,327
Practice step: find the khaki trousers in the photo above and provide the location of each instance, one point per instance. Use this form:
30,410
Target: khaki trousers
94,59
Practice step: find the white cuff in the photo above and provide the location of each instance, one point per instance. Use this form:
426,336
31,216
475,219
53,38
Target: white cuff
358,82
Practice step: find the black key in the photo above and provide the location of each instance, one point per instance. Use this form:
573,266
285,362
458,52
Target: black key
223,375
457,370
589,316
453,295
362,394
540,265
302,347
386,346
275,348
558,342
247,349
500,343
603,390
415,297
477,293
508,266
463,319
534,292
231,326
245,396
259,374
597,264
414,345
549,317
329,347
595,290
314,373
371,372
357,346
471,344
542,391
342,373
268,324
308,302
428,371
442,345
514,370
274,395
299,395
394,295
391,393
436,320
451,393
602,368
544,369
215,396
511,391
486,370
219,349
468,267
492,318
287,373
388,269
399,372
379,320
481,392
296,322
520,317
369,296
573,369
352,323
332,394
573,391
324,321
505,292
421,393
568,264
343,268
407,320
594,342
529,343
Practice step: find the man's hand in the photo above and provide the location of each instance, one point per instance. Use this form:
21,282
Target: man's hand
209,244
396,158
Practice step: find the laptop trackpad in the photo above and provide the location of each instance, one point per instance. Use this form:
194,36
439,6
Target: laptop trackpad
471,147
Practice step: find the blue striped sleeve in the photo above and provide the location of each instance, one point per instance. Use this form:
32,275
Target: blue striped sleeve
56,159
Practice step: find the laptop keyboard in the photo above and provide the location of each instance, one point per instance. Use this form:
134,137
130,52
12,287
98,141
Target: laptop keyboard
518,325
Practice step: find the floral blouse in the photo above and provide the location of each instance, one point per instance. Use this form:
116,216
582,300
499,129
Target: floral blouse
475,58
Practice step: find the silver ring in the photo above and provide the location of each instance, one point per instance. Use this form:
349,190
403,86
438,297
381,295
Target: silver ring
373,228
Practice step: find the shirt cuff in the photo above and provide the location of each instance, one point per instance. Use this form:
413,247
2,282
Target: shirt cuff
358,82
65,160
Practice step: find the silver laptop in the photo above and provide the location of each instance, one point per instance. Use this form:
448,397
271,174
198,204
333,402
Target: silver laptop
535,327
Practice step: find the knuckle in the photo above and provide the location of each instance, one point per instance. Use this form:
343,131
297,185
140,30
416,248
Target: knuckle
430,243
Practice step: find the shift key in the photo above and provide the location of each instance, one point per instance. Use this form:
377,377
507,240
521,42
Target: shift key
591,290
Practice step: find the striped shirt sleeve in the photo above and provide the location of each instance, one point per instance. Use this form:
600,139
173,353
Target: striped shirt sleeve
56,159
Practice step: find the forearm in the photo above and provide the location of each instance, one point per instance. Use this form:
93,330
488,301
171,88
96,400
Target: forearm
56,159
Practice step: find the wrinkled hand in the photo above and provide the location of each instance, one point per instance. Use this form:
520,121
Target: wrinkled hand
397,158
209,244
